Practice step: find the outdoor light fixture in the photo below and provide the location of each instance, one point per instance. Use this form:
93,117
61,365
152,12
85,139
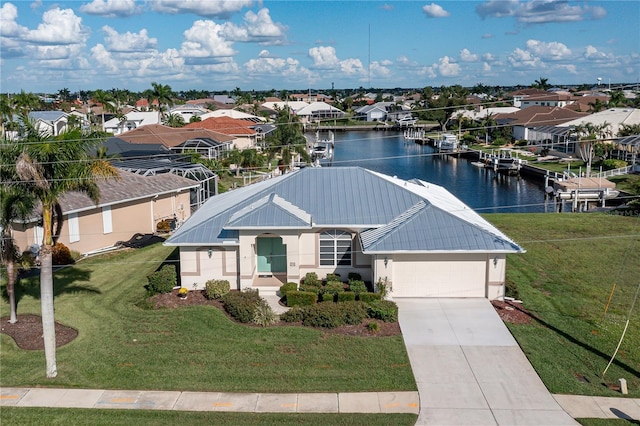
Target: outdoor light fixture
386,260
495,261
210,252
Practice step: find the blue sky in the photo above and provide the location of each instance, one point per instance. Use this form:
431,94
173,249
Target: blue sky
220,45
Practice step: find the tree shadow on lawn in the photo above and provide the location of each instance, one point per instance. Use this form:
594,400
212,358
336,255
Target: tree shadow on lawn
580,343
64,282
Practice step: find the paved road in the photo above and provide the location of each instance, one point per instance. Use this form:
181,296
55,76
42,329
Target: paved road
469,369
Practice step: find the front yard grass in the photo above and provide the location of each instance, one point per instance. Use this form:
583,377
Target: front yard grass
64,416
123,345
565,280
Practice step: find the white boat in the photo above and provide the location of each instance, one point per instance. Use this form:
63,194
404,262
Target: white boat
406,121
448,142
321,151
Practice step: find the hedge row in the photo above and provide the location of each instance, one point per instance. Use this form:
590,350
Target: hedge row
331,315
247,306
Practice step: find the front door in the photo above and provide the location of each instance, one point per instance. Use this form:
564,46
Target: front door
272,255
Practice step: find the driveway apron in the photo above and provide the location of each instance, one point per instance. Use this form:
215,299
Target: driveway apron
469,369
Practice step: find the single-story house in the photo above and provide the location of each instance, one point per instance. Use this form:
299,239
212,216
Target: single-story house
132,120
417,235
242,131
128,205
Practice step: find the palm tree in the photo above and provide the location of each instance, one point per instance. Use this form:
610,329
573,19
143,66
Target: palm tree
25,102
163,94
47,167
541,83
14,205
617,99
105,100
174,120
597,106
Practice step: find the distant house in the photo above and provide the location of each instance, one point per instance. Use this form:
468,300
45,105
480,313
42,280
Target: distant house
187,112
524,120
416,235
559,100
51,123
131,120
242,131
375,112
318,111
132,204
519,95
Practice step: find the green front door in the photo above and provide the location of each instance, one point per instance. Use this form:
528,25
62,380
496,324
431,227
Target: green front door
272,255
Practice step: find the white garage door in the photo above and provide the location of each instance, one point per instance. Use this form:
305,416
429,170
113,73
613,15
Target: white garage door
414,277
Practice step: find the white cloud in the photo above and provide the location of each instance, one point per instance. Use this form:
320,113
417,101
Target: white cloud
539,11
379,69
8,25
447,68
324,57
467,56
352,66
205,39
128,42
59,26
520,59
486,67
208,8
434,11
550,51
257,27
111,8
592,53
488,57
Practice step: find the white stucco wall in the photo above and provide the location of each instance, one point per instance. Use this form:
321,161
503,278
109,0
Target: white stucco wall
196,267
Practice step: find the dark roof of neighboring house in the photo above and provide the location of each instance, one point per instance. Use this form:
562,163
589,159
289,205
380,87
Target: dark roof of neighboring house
170,136
391,214
117,147
539,116
527,92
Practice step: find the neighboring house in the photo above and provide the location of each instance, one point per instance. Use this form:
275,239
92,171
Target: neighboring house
131,120
187,112
242,131
417,235
481,113
519,95
143,104
239,115
292,106
559,100
524,120
50,123
317,111
375,112
224,100
129,205
210,144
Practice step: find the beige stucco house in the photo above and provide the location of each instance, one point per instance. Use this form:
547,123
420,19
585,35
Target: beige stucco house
416,235
132,204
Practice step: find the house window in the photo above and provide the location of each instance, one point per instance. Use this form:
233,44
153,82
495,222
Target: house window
335,248
74,228
107,223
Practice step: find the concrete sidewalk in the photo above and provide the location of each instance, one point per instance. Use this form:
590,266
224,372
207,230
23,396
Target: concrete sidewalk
363,402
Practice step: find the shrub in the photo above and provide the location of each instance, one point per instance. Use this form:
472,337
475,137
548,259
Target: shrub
162,281
511,289
373,326
611,164
333,287
301,298
332,277
346,296
61,255
286,288
354,276
163,226
357,286
310,288
183,292
242,305
264,314
295,314
311,278
353,312
328,297
369,297
384,310
327,315
215,289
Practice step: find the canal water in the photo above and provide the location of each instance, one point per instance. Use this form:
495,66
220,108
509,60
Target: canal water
481,189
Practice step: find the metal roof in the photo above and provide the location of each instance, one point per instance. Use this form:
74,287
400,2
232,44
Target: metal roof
392,215
630,140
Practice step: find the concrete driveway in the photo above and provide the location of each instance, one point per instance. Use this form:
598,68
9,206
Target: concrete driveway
469,369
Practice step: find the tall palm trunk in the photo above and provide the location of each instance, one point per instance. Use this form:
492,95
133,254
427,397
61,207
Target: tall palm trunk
11,290
46,293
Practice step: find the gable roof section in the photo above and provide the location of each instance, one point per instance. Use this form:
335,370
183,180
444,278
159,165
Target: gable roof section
273,210
539,116
226,125
392,214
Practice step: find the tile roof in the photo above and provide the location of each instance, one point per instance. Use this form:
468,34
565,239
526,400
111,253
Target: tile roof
226,125
540,116
393,215
170,136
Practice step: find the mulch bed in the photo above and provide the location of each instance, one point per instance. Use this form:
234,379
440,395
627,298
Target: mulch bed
27,332
171,300
512,312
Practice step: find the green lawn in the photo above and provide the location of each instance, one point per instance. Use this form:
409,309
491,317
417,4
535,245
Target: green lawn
122,345
63,416
565,279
